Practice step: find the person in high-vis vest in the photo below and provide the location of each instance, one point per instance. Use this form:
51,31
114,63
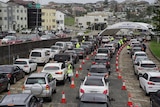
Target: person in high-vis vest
128,48
112,39
78,45
119,44
69,71
84,38
125,39
121,40
83,41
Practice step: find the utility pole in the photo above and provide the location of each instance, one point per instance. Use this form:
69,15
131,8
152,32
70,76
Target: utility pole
37,18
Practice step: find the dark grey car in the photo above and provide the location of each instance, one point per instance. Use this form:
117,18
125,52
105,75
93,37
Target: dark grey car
20,100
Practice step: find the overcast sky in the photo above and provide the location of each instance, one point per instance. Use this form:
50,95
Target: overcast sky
74,1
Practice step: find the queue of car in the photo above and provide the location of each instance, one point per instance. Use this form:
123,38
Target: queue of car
146,72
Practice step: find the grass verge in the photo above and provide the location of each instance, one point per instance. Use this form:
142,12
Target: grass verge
155,48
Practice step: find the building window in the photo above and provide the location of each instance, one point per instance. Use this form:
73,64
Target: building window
5,10
0,18
95,19
43,20
25,18
43,13
21,11
17,17
21,18
5,18
88,23
53,26
53,14
53,20
80,23
17,11
0,10
21,26
25,26
105,19
25,11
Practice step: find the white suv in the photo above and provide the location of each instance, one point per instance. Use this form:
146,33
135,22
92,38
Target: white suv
150,82
143,66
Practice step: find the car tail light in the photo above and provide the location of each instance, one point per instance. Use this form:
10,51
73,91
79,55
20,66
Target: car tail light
106,76
151,83
107,63
26,66
23,87
156,68
81,52
81,91
9,75
89,74
47,87
140,68
59,72
105,92
93,62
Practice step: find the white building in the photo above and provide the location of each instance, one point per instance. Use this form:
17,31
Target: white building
60,20
12,16
93,18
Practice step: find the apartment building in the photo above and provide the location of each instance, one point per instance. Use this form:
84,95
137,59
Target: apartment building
48,19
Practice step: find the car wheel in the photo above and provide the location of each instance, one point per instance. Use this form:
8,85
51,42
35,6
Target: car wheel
14,80
63,81
8,87
146,91
140,85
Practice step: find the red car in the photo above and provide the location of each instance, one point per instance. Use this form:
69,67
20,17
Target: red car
10,40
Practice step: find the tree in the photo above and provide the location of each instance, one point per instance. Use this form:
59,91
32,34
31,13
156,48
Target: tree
156,18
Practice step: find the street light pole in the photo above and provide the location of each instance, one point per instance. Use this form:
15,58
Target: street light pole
37,19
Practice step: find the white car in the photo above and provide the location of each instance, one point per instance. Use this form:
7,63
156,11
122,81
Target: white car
55,50
57,70
111,47
94,84
150,82
27,65
138,53
26,31
143,66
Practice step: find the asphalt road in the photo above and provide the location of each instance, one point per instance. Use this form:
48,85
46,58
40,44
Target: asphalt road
120,96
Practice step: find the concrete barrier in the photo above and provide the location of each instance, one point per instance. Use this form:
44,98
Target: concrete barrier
9,53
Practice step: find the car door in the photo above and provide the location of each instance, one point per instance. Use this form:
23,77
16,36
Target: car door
3,82
64,69
32,65
136,66
51,81
144,80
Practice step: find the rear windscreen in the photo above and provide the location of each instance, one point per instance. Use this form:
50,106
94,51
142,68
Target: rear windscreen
95,82
100,60
20,62
35,80
140,54
62,58
155,79
148,65
36,54
102,51
98,70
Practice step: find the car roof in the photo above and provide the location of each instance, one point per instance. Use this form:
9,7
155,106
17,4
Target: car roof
18,99
38,49
147,61
23,59
137,47
153,74
94,77
96,97
101,54
139,52
98,66
41,74
53,64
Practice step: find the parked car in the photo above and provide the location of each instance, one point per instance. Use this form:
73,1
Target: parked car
57,70
94,84
99,70
10,40
14,73
143,66
150,82
42,85
20,100
4,83
27,65
154,99
94,100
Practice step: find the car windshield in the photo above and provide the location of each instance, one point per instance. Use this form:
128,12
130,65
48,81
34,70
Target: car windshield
94,82
108,46
55,48
36,54
102,50
155,79
51,68
92,104
148,65
20,62
98,70
39,80
140,55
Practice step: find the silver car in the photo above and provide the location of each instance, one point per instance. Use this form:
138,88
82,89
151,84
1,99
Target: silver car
42,85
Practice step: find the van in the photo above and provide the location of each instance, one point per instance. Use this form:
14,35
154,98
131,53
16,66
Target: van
39,55
62,45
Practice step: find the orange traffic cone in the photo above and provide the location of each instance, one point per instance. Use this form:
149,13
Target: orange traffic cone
119,75
124,85
116,63
129,100
72,83
92,54
83,61
63,100
117,68
77,74
87,58
80,67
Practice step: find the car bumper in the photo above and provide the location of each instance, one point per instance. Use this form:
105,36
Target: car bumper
45,93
